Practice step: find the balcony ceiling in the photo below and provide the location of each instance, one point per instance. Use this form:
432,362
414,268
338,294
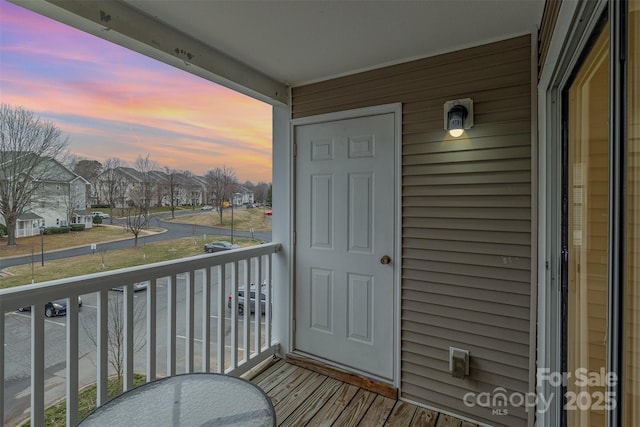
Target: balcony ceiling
296,42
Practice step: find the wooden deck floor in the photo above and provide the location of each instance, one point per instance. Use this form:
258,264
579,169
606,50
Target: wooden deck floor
305,398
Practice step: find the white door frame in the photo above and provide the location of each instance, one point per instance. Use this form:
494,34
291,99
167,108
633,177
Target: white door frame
396,110
574,25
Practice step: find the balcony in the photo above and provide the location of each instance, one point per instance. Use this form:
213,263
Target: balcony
181,323
174,327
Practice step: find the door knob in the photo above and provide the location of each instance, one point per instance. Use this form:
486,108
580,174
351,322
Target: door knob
385,260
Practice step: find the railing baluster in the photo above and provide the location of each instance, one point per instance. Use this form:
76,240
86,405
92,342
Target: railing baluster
234,316
1,368
221,317
247,312
206,320
189,345
37,365
151,329
128,336
171,326
258,314
267,309
102,354
72,361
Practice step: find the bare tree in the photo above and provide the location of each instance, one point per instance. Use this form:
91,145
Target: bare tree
73,199
115,333
142,194
222,182
172,188
137,219
112,184
192,188
89,170
27,143
260,192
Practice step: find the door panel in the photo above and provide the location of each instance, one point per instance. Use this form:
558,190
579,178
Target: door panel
344,225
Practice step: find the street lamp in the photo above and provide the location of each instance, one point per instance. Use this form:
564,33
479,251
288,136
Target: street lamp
233,202
232,220
42,244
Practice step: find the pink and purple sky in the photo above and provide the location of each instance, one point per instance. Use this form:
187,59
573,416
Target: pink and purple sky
113,102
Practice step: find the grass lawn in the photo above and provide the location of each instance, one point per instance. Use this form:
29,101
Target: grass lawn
243,219
32,244
55,415
111,260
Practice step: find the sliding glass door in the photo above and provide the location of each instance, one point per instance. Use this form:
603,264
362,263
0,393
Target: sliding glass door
631,328
586,232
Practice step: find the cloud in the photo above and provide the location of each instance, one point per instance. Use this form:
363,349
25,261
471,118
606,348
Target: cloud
115,102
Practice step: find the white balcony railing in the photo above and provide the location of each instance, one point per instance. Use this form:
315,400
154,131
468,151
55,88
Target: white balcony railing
200,333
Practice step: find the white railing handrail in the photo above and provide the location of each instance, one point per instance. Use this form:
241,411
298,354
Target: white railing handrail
42,292
254,348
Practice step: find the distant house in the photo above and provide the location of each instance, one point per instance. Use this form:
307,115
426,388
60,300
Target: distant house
60,200
243,196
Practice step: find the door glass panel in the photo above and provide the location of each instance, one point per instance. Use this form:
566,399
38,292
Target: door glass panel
588,146
632,257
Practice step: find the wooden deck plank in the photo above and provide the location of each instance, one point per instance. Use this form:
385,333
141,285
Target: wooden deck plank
424,418
270,381
269,371
288,385
402,414
445,420
289,404
304,397
308,408
366,383
334,406
378,412
356,409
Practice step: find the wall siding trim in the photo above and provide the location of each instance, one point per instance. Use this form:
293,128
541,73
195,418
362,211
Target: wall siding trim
467,209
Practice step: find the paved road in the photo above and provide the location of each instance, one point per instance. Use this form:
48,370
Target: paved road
174,231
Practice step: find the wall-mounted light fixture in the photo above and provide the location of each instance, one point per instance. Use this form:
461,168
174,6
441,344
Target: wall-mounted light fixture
458,116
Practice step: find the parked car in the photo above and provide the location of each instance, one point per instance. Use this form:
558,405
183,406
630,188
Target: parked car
138,286
206,208
54,308
100,214
219,246
252,300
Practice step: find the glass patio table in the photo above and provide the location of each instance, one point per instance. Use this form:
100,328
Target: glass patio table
197,399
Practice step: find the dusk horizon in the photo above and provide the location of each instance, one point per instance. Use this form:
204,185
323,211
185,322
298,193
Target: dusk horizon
113,102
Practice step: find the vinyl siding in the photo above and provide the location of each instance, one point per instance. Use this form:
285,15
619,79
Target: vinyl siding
466,217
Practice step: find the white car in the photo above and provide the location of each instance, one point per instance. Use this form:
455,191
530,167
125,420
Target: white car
100,214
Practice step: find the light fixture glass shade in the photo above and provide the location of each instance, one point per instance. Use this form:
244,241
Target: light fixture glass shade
455,120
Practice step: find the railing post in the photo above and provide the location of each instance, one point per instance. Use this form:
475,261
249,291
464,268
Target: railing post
189,322
127,330
102,354
1,368
72,361
37,365
206,321
221,317
171,326
151,330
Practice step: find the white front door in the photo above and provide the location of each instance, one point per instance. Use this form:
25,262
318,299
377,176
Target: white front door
345,234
